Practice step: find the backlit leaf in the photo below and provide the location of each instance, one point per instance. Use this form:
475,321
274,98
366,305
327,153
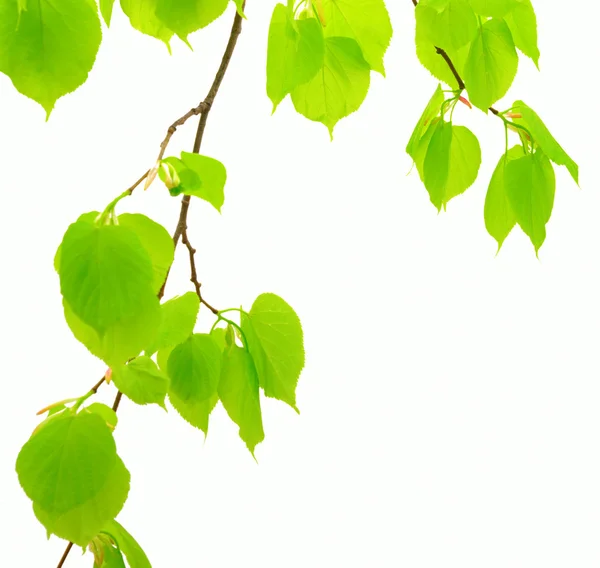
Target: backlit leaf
522,23
187,16
276,343
136,557
48,49
339,88
451,25
491,65
431,111
142,381
142,16
239,393
493,8
106,9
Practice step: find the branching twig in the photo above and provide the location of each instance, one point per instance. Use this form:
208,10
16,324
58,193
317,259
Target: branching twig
202,109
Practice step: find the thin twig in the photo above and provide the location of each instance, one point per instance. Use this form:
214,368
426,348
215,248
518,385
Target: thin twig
65,554
117,401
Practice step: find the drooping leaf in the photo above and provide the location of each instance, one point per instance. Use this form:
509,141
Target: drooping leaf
493,8
365,21
121,341
194,368
67,462
449,25
276,342
179,316
491,65
135,555
530,187
106,275
142,16
199,176
106,9
498,213
239,393
451,162
157,242
142,381
431,111
522,23
48,49
339,88
81,524
112,558
544,138
295,53
187,16
218,334
105,412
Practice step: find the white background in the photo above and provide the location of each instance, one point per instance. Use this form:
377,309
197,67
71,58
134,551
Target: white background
450,402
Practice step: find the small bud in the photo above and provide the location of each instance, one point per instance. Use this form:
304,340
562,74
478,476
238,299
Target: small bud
169,175
513,115
151,175
108,376
465,101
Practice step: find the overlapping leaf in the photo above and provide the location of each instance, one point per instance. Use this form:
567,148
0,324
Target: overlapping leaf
142,381
431,111
135,555
186,16
522,23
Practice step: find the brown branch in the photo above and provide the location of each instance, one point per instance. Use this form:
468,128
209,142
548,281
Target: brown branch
65,554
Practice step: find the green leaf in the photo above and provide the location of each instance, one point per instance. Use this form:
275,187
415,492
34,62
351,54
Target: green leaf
218,334
295,53
239,393
498,214
187,16
339,88
67,462
142,16
493,8
106,9
522,23
530,186
136,557
90,218
451,162
194,368
239,6
105,412
112,558
365,21
121,341
276,343
491,65
544,138
48,49
142,381
431,111
106,275
179,316
433,61
199,176
157,242
451,24
81,524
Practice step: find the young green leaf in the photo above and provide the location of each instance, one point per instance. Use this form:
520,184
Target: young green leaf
339,88
199,176
142,381
105,412
451,162
135,555
239,393
451,24
295,53
106,275
498,214
522,23
157,242
187,16
106,9
365,21
179,316
218,334
81,524
544,138
112,558
121,341
90,218
48,49
276,343
530,187
431,111
491,65
67,462
142,16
